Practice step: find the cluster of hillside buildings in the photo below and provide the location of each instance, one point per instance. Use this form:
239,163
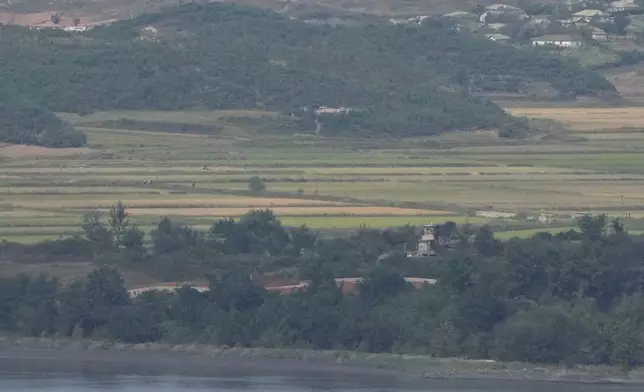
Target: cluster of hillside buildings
564,25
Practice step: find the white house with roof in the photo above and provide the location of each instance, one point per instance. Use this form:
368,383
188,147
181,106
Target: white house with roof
497,37
538,21
417,19
328,110
413,20
497,26
559,40
502,7
573,21
598,34
462,15
591,15
76,28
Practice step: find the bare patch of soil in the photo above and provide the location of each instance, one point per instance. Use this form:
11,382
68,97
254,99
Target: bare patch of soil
22,151
28,19
629,84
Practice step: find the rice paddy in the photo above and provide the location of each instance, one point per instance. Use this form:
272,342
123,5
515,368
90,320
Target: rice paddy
326,183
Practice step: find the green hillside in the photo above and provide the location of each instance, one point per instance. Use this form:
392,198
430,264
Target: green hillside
398,80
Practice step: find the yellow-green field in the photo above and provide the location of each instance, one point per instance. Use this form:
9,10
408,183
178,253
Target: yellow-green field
327,183
590,119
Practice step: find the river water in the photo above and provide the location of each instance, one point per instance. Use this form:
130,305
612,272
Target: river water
21,374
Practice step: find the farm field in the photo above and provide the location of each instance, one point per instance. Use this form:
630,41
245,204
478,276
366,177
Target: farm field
327,183
623,119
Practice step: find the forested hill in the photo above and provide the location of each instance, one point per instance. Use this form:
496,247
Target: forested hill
398,80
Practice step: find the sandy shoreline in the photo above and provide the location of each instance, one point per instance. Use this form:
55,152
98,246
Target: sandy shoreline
63,355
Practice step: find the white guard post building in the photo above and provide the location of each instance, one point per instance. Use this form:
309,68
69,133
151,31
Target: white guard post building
426,243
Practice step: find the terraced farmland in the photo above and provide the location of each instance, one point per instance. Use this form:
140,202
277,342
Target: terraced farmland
326,183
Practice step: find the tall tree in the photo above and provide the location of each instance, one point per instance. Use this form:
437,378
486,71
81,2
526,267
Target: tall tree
118,221
95,230
484,241
593,228
235,292
256,185
104,293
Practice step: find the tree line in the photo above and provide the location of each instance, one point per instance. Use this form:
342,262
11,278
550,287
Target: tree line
572,298
400,80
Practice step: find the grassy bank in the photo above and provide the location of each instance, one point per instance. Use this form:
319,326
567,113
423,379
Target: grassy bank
417,366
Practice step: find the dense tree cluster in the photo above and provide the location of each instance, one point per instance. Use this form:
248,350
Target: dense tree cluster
574,297
23,122
399,80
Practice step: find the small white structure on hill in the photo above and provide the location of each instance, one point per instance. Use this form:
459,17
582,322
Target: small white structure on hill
497,26
498,37
598,34
461,15
503,7
559,40
327,110
623,6
574,21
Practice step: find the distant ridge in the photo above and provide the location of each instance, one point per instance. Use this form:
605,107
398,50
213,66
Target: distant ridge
393,80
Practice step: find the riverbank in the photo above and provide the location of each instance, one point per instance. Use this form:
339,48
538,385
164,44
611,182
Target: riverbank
202,360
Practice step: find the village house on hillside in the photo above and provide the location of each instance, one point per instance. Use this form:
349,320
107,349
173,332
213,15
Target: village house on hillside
462,15
598,34
624,6
409,21
497,37
576,21
562,25
502,7
464,20
590,16
503,13
328,110
541,21
149,33
559,40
